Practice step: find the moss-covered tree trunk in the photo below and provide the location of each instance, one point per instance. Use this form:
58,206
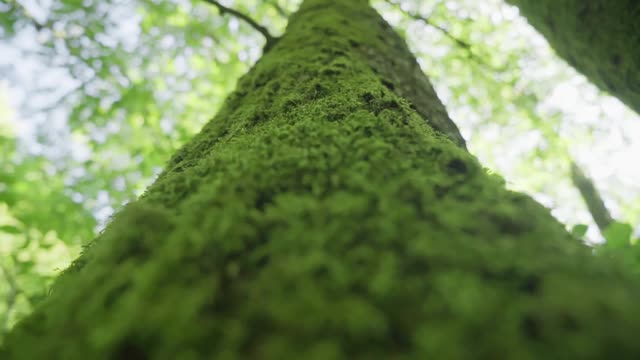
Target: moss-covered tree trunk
320,216
600,38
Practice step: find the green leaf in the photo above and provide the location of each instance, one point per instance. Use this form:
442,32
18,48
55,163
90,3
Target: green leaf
579,230
25,266
10,229
618,234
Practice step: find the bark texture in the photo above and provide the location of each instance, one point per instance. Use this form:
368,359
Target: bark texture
319,216
600,38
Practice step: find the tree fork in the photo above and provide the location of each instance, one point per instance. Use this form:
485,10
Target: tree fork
320,215
270,40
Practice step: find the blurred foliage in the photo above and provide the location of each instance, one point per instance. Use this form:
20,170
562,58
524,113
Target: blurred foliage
98,94
622,245
116,87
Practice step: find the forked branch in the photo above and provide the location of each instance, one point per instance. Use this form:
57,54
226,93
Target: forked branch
270,39
459,42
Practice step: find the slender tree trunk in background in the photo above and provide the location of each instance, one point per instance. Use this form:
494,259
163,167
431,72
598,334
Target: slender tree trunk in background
600,38
591,197
320,216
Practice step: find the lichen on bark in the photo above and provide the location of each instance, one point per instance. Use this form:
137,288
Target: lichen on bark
319,216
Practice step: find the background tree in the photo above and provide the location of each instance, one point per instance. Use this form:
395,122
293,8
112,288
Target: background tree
599,38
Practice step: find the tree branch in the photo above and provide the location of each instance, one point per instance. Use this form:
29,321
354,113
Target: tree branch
591,197
459,42
271,40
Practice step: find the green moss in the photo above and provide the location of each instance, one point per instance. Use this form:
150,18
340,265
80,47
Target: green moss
600,38
319,216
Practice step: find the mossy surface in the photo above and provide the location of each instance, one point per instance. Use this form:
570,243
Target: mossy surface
318,216
600,38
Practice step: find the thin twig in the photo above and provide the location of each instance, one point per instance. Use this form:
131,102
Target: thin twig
271,40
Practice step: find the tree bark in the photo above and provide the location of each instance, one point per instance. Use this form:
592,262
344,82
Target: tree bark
600,38
320,216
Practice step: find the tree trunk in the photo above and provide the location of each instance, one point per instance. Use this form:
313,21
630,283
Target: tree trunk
600,38
320,216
